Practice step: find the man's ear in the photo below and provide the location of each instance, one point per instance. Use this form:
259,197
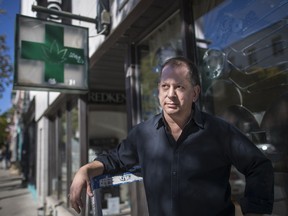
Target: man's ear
197,91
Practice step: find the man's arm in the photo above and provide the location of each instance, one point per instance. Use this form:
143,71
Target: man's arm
81,181
258,171
248,214
253,214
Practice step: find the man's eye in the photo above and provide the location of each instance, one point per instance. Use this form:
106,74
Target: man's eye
164,86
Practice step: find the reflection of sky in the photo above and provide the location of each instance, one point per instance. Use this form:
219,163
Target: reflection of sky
236,19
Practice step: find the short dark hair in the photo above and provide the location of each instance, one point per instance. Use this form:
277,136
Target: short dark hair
178,61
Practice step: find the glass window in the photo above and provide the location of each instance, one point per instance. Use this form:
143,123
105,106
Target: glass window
278,45
75,144
64,152
163,43
63,157
107,128
244,79
53,166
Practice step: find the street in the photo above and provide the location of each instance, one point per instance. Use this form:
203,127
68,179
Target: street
15,200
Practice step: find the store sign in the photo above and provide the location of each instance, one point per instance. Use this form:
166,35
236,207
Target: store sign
106,97
50,56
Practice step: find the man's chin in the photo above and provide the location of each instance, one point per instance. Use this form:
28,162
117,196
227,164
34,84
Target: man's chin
170,111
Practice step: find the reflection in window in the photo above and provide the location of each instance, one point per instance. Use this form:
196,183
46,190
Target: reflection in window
75,145
63,157
251,90
53,160
252,58
278,46
120,193
165,42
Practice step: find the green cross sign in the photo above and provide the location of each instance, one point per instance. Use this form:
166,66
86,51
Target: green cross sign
53,53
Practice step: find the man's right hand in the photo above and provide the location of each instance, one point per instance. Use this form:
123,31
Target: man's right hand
82,180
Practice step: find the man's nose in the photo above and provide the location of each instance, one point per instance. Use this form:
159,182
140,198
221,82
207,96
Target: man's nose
171,92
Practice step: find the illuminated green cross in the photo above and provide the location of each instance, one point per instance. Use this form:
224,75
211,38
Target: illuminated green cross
53,53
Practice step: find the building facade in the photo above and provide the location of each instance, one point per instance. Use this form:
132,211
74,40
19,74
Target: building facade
239,47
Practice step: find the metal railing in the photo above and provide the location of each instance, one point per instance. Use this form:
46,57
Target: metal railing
107,180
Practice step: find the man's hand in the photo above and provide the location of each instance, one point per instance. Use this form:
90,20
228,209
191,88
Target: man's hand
81,181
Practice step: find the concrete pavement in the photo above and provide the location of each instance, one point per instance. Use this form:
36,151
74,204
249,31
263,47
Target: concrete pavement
15,200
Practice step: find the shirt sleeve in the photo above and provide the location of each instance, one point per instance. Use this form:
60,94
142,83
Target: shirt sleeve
258,171
120,159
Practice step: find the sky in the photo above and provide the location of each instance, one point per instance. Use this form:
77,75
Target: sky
7,27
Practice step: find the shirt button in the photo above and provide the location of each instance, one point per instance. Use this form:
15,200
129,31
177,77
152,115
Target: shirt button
174,173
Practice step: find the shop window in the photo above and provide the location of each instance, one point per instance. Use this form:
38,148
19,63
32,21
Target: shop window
75,144
107,129
163,43
64,152
249,88
62,145
53,166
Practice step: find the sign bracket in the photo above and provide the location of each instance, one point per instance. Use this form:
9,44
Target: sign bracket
62,14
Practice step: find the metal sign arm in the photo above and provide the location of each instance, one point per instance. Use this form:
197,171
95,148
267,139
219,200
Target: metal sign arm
62,14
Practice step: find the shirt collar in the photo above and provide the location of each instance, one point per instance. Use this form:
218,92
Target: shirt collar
196,117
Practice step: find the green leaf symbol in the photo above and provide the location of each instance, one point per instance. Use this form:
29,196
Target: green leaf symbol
53,54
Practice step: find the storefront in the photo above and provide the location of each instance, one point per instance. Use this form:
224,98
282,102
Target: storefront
240,48
244,78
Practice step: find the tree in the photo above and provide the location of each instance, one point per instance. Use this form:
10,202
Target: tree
3,130
6,67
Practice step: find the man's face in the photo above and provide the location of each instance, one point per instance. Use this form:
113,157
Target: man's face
176,93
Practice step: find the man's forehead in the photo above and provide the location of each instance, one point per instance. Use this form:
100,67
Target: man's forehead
180,72
174,79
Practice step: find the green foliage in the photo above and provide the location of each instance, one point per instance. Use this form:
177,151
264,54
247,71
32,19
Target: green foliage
5,66
3,130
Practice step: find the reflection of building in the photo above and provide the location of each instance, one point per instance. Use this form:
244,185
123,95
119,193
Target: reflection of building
63,131
255,65
249,88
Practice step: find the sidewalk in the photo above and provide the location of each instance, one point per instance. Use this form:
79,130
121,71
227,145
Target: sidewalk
14,199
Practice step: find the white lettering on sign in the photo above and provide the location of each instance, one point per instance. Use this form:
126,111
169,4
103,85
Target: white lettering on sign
107,97
77,58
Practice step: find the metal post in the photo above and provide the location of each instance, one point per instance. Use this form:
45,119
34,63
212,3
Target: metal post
63,14
96,203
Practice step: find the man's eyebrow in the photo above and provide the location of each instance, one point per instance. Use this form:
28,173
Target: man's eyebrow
176,83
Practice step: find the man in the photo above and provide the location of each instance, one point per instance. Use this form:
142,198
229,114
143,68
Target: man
186,156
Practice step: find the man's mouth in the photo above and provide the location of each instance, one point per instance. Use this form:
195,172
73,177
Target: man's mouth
171,105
